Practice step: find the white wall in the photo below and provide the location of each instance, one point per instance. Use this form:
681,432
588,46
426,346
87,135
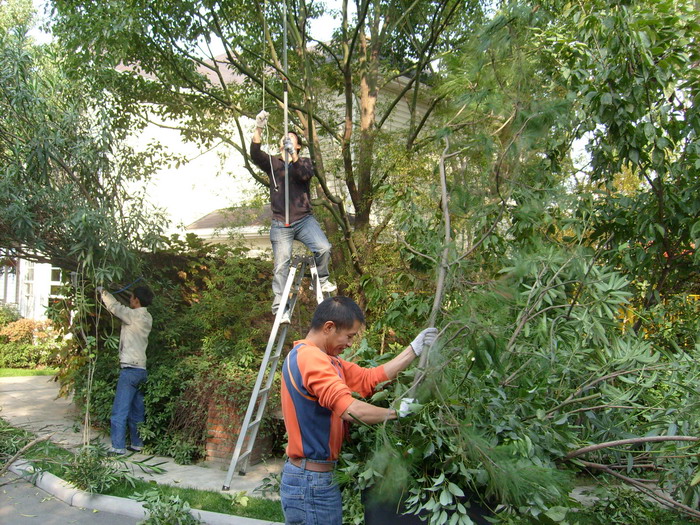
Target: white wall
208,180
29,288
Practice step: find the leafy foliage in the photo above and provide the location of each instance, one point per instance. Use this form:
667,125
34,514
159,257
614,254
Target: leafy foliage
91,470
565,320
210,317
65,165
165,511
628,72
26,343
8,314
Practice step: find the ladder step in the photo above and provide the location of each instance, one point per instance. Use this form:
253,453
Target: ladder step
254,423
263,391
244,455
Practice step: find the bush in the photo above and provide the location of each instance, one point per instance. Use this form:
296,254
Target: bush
17,355
20,331
27,343
211,321
8,314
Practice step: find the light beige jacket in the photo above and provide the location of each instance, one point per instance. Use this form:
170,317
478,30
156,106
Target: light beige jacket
136,325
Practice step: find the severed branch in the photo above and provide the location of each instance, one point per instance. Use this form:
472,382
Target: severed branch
632,441
444,257
639,485
22,451
661,498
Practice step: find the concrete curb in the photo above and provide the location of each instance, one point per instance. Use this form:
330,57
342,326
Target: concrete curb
74,497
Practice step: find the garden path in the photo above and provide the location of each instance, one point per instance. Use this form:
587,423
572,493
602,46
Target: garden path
32,403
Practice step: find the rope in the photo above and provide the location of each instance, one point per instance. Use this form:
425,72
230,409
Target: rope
127,286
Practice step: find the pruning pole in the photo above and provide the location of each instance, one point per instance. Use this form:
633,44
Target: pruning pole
444,258
286,120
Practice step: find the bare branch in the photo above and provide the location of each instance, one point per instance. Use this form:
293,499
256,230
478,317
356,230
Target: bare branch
631,441
641,486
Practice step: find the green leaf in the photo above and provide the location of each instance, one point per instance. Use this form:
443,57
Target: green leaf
556,514
454,489
695,480
445,497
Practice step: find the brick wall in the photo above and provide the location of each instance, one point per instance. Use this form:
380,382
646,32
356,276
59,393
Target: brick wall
223,426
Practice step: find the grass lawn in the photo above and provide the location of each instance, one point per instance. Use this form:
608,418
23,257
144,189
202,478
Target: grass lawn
258,508
17,372
52,458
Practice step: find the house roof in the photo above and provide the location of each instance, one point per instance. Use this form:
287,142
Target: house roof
211,70
238,217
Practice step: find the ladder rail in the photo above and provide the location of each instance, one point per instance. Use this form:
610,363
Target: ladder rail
293,281
273,363
262,402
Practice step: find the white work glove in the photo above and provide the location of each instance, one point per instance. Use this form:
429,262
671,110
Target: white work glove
426,337
99,289
406,407
261,119
288,146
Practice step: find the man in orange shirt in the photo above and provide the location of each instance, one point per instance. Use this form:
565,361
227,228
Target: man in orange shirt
317,399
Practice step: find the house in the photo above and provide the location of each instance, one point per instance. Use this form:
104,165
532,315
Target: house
29,287
248,224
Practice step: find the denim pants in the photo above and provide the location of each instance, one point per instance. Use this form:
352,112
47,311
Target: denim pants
308,232
310,498
128,408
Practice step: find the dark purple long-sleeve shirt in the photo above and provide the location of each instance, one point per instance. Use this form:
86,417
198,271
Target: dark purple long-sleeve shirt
300,173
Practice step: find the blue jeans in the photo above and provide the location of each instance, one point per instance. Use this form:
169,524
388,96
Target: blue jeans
310,498
128,408
308,232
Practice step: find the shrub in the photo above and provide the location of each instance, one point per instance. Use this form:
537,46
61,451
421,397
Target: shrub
27,343
20,331
210,316
8,314
17,355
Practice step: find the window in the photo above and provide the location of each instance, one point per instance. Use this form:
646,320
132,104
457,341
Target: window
28,286
56,282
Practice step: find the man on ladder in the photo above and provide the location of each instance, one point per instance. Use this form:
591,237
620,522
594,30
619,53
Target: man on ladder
293,219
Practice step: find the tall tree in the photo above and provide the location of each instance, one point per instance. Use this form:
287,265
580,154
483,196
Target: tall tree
630,70
67,193
210,63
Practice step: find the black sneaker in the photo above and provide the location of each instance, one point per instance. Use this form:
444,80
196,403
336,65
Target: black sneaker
134,449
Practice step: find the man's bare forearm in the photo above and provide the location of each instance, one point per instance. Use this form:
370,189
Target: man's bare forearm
370,414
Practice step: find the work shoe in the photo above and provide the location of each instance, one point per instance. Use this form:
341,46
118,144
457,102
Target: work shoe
114,452
132,448
328,287
285,318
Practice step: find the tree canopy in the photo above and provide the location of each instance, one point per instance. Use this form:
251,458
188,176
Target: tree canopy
66,192
447,131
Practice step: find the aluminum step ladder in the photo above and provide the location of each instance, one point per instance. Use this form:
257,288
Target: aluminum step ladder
268,367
